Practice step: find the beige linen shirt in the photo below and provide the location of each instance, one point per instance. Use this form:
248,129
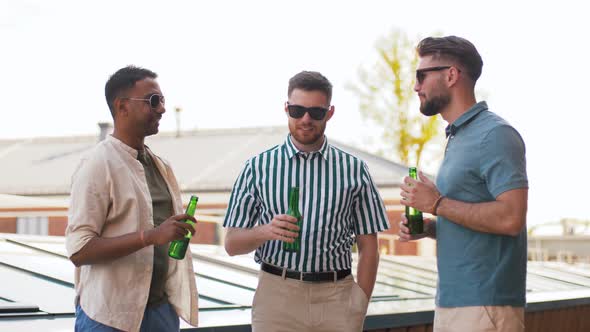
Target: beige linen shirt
109,198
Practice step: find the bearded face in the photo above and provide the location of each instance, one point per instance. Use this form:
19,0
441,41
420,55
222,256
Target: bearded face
435,104
307,132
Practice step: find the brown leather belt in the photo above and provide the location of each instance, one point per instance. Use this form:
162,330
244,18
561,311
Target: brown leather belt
306,276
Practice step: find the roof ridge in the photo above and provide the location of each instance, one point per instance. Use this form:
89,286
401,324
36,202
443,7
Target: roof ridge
171,133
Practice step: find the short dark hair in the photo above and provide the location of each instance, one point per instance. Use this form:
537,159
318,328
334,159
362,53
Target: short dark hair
456,49
310,81
122,80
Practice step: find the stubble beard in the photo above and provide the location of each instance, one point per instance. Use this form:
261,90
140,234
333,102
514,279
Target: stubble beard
307,140
153,126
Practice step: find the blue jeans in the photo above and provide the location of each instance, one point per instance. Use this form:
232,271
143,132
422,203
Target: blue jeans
155,319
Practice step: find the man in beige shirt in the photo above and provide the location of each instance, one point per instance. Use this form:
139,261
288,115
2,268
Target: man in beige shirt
125,210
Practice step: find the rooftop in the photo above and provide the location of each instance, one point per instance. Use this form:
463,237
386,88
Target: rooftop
37,291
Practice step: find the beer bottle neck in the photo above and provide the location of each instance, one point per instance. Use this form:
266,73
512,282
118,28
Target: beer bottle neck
294,200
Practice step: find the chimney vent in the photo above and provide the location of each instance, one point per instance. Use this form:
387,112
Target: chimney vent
177,111
105,129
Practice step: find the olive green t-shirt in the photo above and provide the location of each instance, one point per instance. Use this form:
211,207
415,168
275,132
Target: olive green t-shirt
162,208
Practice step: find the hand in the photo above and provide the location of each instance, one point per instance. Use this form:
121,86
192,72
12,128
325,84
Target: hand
174,228
419,194
404,231
282,227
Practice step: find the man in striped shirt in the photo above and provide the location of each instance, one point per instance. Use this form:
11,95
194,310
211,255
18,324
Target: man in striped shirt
312,289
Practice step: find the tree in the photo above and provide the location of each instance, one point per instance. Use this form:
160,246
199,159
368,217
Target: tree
386,92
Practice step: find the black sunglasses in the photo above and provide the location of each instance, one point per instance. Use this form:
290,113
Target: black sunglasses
421,73
153,100
298,111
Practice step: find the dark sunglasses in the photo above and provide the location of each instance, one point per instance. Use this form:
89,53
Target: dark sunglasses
421,73
153,100
298,111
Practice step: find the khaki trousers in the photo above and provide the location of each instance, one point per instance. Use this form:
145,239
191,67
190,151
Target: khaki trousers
288,305
479,319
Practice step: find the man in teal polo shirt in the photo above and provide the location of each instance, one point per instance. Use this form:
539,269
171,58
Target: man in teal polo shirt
480,197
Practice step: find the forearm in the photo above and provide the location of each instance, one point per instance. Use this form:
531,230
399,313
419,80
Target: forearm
100,249
368,260
239,241
496,217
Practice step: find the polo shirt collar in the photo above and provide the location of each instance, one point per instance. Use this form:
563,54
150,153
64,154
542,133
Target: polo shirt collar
465,118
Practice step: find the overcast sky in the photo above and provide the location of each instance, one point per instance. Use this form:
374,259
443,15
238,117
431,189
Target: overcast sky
227,63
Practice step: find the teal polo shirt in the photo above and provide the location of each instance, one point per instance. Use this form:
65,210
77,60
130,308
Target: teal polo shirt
484,157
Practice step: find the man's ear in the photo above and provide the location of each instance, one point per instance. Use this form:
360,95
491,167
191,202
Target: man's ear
330,112
120,107
453,76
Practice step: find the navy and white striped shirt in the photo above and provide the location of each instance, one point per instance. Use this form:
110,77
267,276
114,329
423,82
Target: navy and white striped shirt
337,200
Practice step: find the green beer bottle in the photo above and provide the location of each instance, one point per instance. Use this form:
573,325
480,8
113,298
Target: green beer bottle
293,210
415,221
178,247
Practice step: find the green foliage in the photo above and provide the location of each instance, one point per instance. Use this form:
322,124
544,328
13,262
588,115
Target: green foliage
386,92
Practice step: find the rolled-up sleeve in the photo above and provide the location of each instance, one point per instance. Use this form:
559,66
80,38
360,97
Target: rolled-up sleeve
369,212
89,203
242,210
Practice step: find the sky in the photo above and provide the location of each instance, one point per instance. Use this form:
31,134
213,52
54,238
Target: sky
227,64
